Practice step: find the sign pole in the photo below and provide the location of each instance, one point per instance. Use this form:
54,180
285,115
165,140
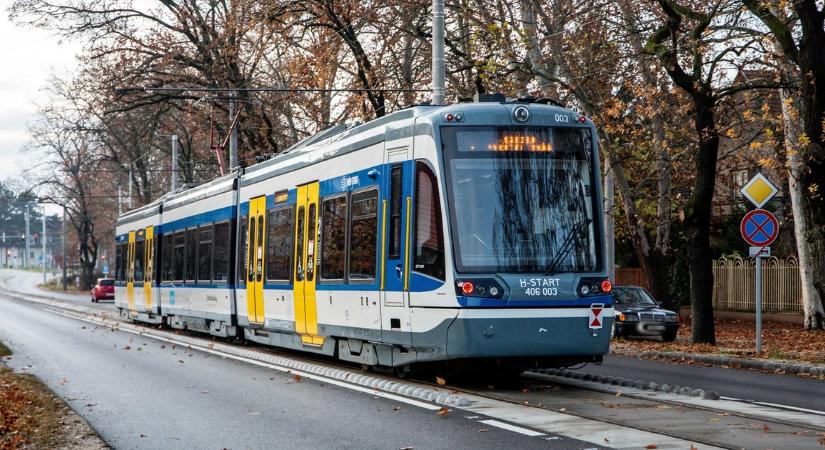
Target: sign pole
759,303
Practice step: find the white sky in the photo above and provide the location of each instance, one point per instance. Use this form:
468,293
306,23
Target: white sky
28,57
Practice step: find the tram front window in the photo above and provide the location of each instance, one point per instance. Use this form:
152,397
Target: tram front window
522,199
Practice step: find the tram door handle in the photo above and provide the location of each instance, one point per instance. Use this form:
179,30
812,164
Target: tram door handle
399,271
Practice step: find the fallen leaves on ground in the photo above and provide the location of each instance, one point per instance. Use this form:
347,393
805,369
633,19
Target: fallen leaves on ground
651,446
30,415
440,381
780,340
443,411
297,378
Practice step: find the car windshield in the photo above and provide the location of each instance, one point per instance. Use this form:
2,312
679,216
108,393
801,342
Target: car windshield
107,282
522,199
632,297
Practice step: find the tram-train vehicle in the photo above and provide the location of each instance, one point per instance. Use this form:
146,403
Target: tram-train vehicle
464,233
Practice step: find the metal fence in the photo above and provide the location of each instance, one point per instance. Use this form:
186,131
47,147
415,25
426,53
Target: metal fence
734,283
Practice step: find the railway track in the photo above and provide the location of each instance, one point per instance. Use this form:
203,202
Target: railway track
616,417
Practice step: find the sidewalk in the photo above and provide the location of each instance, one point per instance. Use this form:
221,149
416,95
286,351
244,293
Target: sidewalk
786,348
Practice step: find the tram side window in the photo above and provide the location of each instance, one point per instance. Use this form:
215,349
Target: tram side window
118,251
279,244
429,234
205,253
334,238
244,239
166,258
363,235
191,249
177,257
220,255
124,261
396,185
139,251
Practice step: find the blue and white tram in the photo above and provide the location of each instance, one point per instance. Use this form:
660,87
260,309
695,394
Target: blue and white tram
470,231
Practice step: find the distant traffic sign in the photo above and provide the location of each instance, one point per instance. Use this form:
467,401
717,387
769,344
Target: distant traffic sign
759,190
759,228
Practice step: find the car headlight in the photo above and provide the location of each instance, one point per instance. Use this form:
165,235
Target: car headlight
671,318
628,318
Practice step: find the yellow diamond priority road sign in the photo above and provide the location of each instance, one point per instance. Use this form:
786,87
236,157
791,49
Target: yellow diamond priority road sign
759,190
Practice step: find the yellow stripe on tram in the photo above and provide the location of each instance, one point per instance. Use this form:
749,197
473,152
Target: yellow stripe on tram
383,243
407,248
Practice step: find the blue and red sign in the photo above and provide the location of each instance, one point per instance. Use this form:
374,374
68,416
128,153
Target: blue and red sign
759,228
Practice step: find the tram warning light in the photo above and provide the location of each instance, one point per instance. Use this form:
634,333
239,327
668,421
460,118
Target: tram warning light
607,286
582,119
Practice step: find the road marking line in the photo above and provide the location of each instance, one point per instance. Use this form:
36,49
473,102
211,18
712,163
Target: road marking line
794,408
775,405
513,428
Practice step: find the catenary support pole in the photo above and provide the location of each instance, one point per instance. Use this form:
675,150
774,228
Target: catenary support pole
43,244
64,249
130,188
233,134
174,162
609,220
28,243
438,53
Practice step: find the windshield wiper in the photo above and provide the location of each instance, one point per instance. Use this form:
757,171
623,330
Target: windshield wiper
567,246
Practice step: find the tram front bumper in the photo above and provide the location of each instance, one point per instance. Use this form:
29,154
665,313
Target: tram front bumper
539,337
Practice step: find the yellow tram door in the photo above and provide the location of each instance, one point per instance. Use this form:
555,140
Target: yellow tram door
255,260
130,272
306,249
149,266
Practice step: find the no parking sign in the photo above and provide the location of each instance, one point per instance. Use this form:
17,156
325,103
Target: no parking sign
759,228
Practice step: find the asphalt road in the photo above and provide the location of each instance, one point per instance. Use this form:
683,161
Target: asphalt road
140,393
743,384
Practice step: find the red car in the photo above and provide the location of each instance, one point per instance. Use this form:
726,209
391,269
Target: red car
104,289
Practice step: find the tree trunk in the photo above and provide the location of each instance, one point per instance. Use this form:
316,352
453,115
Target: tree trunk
697,221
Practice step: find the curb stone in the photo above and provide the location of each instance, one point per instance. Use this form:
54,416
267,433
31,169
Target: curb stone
626,382
746,363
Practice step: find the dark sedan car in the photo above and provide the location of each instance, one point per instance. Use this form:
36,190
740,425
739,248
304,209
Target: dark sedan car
637,314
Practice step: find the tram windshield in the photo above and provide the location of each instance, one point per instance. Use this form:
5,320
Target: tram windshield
522,199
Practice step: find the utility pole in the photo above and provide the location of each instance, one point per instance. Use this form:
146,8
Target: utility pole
130,187
119,200
233,134
174,162
26,237
43,244
609,219
438,52
64,249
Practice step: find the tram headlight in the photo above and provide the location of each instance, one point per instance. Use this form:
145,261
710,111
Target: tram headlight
494,291
584,289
